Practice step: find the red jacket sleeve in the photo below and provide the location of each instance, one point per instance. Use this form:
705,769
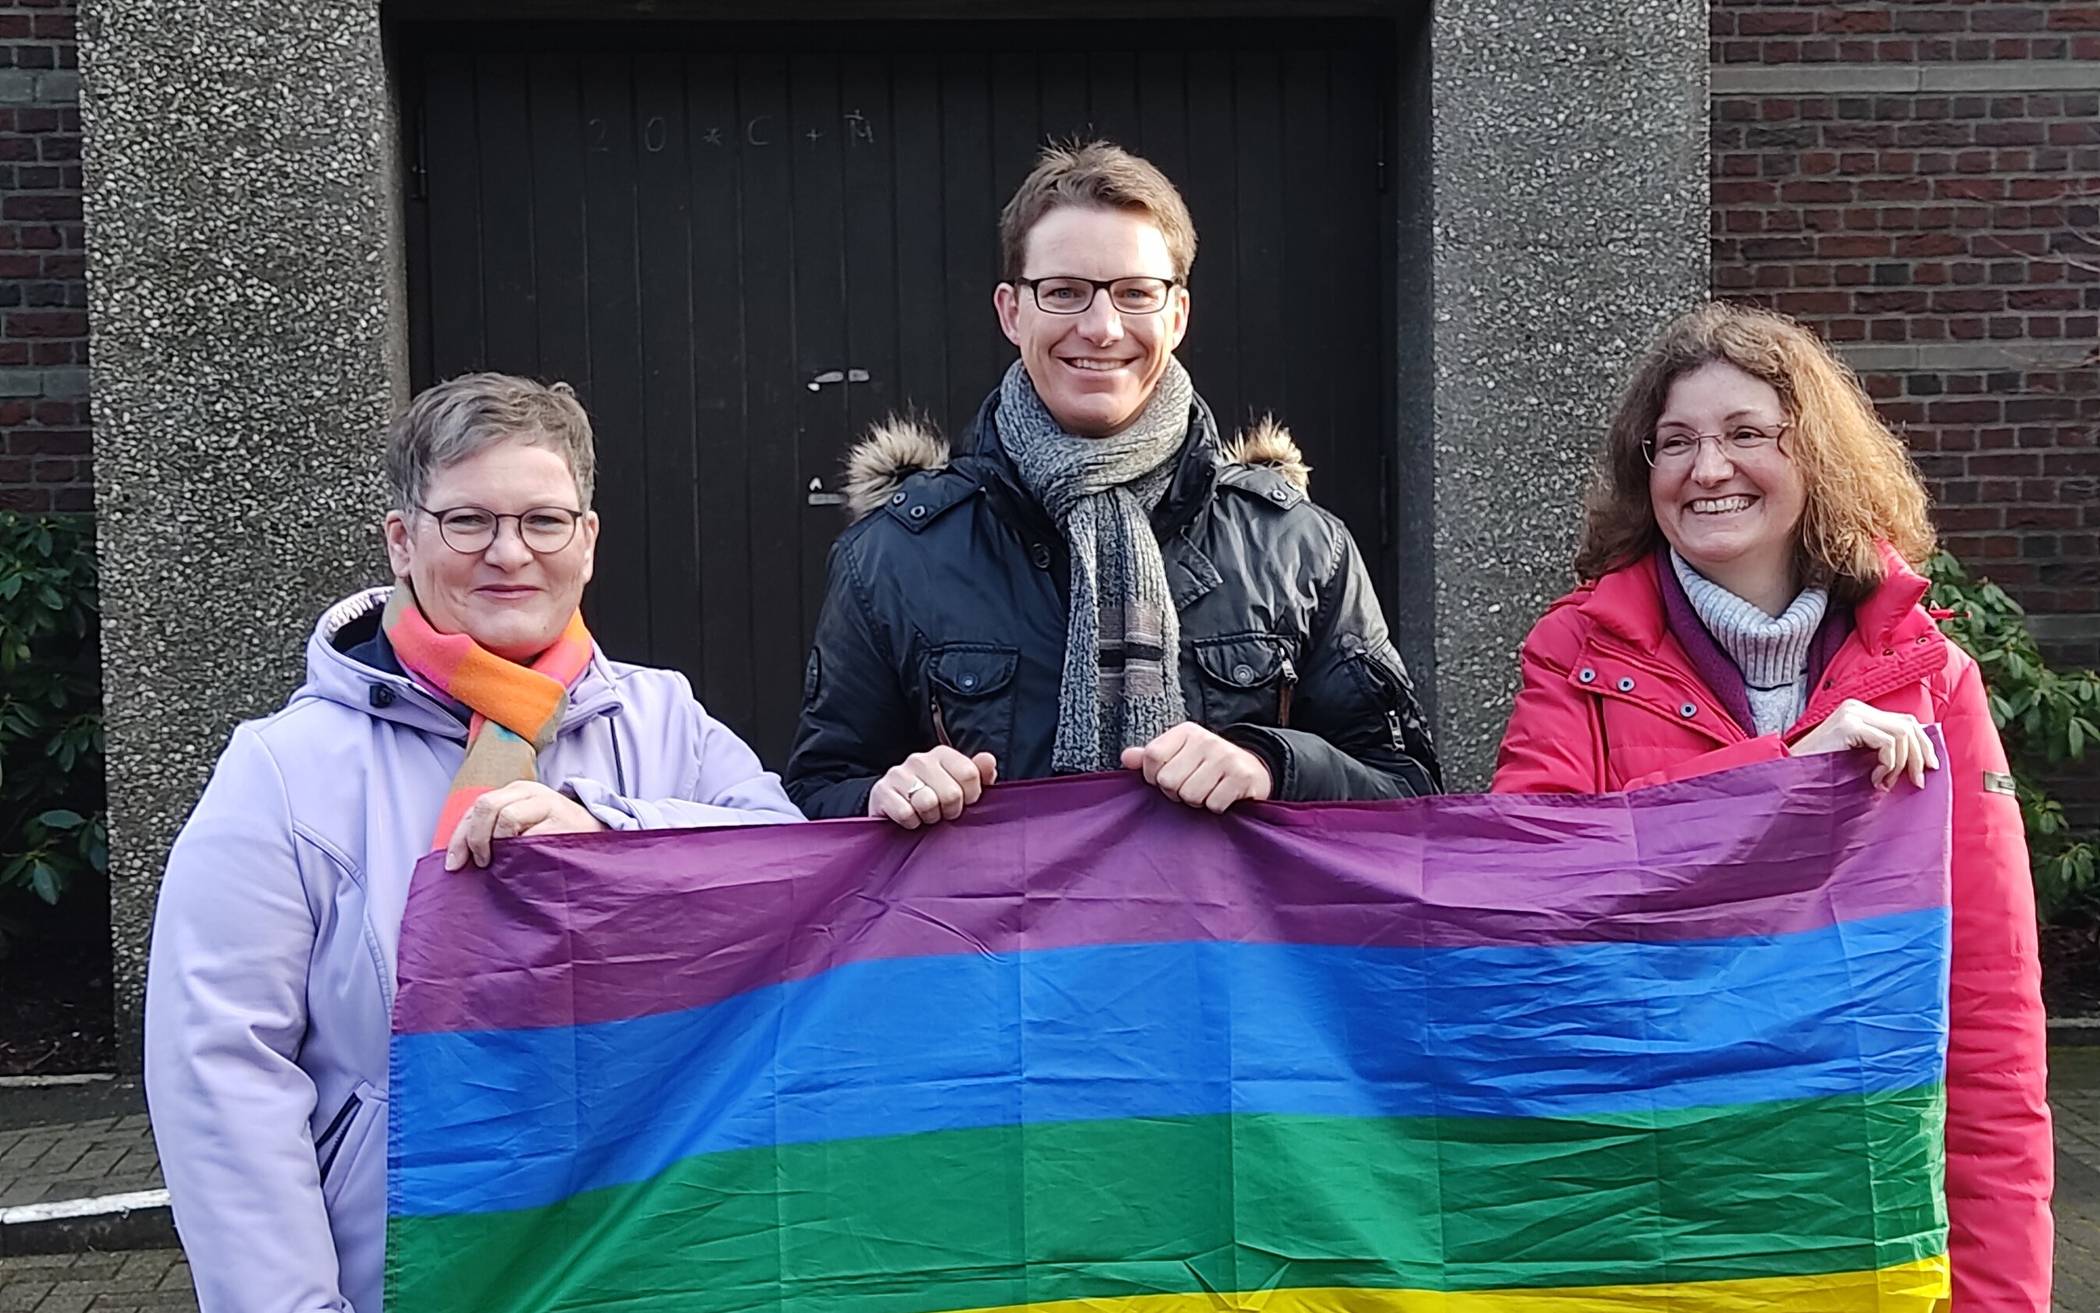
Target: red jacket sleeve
2000,1165
1552,743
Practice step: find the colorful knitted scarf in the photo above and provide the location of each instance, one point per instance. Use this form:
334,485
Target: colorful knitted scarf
516,708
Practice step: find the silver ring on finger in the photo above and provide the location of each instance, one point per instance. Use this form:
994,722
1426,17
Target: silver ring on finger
916,786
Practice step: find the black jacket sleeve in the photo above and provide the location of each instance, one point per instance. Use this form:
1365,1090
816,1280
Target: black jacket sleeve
855,721
1357,731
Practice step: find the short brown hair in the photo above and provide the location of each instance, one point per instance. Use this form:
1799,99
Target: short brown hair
1099,175
455,419
1860,484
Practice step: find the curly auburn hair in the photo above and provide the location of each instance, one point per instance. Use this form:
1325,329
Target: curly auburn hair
1860,483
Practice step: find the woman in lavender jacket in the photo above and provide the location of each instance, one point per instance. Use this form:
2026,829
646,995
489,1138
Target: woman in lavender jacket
272,974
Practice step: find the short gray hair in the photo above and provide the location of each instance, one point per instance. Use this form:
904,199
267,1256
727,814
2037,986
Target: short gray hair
460,417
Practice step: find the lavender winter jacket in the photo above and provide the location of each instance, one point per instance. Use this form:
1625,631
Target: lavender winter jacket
272,974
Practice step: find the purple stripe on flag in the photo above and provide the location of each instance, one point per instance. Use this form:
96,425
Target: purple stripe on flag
584,929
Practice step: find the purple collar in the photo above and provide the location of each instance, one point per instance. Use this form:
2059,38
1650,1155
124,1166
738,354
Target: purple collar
1715,668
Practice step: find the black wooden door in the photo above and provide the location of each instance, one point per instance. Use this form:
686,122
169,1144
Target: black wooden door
744,244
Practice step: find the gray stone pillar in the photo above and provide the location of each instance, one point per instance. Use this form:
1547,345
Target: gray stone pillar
245,314
1570,157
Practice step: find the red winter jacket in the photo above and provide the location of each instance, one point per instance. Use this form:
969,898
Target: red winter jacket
1611,701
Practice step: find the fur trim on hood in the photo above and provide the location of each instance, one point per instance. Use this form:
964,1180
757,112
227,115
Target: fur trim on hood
895,449
903,445
1270,443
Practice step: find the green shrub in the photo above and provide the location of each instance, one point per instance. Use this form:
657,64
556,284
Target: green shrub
53,829
2047,719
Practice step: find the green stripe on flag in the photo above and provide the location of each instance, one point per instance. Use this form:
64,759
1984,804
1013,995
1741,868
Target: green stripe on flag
1018,1214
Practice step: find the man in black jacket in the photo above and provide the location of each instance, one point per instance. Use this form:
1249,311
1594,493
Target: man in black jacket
1095,583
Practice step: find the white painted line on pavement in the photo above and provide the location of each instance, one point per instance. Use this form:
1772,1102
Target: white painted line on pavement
42,1082
60,1209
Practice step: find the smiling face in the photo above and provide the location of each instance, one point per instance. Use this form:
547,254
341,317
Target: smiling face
1094,371
513,601
1733,515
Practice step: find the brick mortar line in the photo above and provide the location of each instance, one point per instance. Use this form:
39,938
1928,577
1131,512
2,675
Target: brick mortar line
2005,75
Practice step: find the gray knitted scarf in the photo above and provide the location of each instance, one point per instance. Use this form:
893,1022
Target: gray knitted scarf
1122,680
1771,651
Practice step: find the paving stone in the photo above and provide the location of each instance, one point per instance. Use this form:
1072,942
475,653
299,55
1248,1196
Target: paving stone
24,1295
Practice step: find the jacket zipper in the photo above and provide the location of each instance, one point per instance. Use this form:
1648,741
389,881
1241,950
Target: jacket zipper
1396,732
339,1123
1283,698
940,723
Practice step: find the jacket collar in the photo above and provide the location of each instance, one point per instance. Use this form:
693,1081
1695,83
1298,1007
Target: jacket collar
1891,611
1892,641
1628,603
1194,484
334,675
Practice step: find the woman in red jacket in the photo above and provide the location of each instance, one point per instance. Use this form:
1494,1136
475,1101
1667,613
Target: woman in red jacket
1749,593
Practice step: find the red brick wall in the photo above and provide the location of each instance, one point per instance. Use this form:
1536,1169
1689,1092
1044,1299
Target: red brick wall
45,455
1947,233
1921,183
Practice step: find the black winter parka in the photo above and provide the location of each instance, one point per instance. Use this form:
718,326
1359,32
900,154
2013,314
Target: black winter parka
945,610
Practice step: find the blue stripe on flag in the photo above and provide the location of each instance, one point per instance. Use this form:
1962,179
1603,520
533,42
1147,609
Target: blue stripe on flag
493,1120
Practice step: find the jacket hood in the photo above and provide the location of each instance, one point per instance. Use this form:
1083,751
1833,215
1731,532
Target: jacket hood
333,675
895,449
1628,601
903,445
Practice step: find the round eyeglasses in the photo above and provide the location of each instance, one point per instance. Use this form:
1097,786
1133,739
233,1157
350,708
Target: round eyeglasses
471,530
1075,296
1680,447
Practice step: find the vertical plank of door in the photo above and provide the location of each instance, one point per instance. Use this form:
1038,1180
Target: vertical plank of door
1062,77
820,344
970,223
770,222
618,600
867,149
1111,97
1210,185
414,72
1362,366
920,309
1313,285
1261,319
555,154
455,216
664,278
721,432
1162,97
510,321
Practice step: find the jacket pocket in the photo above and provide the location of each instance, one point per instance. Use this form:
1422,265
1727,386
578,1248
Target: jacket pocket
1245,679
357,1130
971,696
1386,695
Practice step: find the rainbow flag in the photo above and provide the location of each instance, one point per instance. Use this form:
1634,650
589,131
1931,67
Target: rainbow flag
1680,1049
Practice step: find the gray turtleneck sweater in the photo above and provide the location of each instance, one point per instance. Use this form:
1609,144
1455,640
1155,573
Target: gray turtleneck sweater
1771,651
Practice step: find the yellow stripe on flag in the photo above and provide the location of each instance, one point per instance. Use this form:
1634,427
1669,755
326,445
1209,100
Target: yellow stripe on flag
1909,1288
